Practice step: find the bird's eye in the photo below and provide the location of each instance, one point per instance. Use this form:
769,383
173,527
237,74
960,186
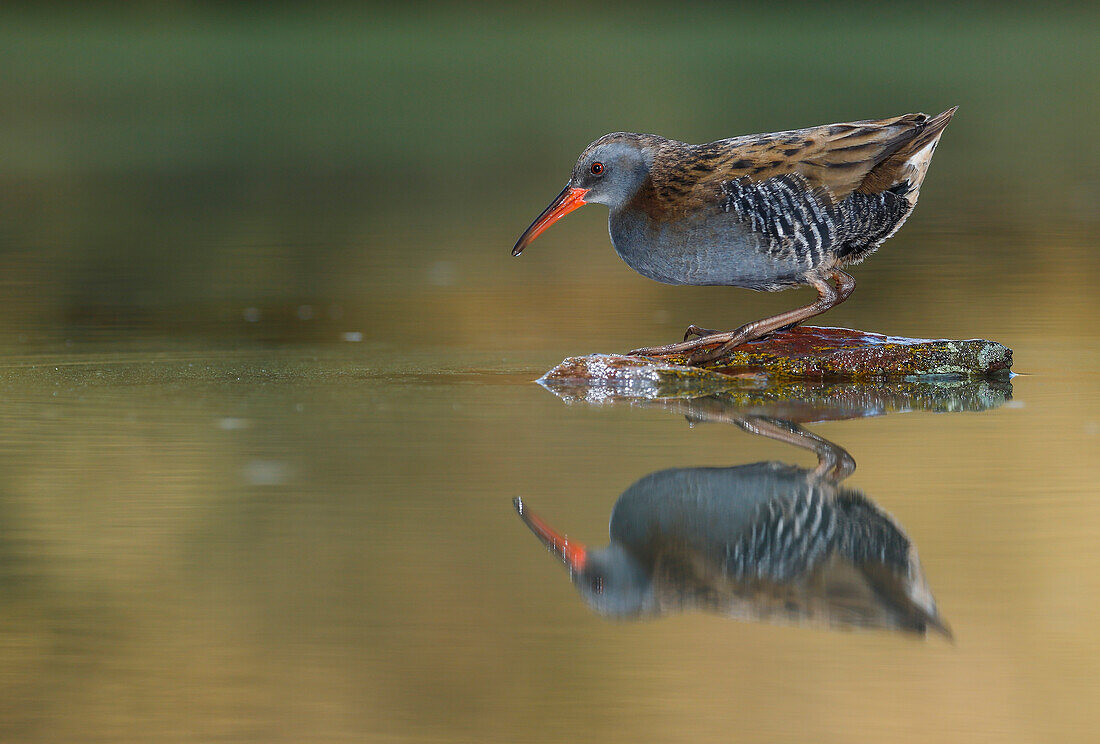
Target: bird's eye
597,168
597,584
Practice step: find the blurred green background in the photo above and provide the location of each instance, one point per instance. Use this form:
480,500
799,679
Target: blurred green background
168,165
265,388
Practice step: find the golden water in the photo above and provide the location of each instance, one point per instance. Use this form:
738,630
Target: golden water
266,379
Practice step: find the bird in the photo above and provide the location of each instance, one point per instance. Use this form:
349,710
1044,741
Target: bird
765,212
766,542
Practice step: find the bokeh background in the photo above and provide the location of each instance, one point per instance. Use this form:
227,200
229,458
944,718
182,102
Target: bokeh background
173,163
266,370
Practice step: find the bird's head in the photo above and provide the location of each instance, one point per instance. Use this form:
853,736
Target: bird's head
615,584
611,581
609,171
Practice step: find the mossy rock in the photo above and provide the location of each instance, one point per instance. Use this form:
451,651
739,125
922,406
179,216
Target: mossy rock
808,353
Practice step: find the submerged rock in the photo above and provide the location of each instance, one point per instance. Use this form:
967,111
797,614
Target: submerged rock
805,353
802,401
612,376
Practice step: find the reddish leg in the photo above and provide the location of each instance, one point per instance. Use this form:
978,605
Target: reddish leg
715,345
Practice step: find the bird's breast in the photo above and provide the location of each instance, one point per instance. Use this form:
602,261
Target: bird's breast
711,249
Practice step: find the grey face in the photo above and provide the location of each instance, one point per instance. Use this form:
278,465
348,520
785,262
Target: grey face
614,584
612,171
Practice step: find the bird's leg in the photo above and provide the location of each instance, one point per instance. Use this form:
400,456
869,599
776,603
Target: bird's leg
828,297
833,461
713,346
845,285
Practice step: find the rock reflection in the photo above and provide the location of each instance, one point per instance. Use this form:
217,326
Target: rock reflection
767,541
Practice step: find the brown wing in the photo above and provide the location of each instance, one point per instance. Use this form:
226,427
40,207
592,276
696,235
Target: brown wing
834,160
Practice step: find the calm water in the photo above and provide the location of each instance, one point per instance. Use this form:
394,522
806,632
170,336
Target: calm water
267,383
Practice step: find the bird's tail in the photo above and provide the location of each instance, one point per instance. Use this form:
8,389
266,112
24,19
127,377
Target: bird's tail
931,131
909,163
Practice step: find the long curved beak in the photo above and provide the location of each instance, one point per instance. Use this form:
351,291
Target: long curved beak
572,554
569,199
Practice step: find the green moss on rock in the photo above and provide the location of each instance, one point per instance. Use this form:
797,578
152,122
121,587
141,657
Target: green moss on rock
804,353
840,353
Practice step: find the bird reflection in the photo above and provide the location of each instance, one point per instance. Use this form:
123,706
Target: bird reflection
766,542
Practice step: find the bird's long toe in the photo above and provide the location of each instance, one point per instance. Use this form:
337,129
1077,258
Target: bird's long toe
701,350
673,349
713,351
694,330
702,356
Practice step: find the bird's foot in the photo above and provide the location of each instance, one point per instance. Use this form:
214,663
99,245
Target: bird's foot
770,334
694,330
704,355
700,350
674,350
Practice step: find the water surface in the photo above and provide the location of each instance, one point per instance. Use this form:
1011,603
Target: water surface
267,378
